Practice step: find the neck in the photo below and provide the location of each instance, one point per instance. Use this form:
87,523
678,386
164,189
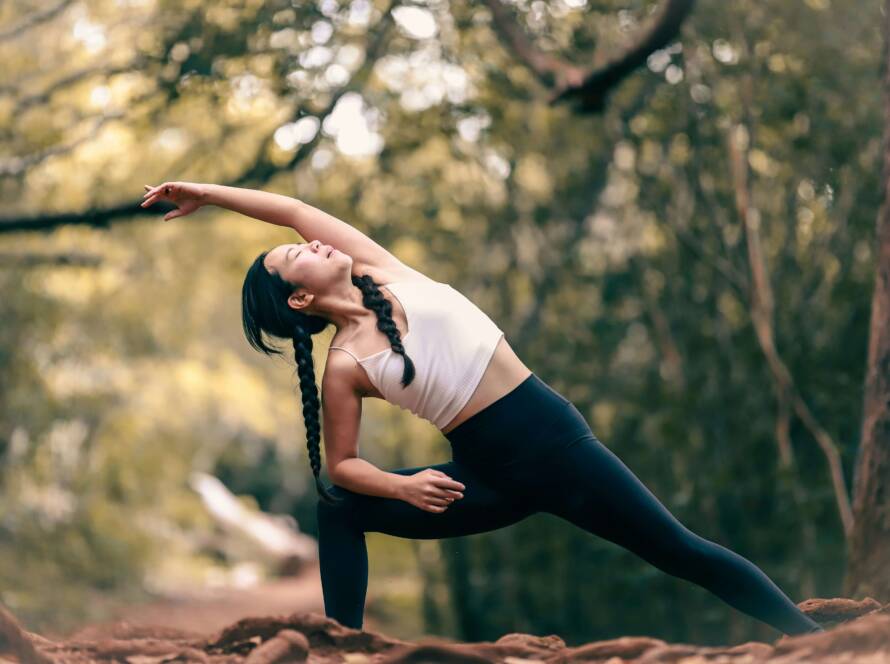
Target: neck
342,306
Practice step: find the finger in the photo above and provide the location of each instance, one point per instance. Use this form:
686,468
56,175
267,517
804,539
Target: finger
157,190
173,214
441,502
435,508
439,497
149,201
441,492
448,483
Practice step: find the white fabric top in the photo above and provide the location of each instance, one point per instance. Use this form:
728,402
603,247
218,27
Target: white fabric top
449,339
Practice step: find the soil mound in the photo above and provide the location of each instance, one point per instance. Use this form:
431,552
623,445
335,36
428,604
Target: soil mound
857,632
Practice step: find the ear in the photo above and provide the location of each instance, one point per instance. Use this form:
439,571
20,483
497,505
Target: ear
300,299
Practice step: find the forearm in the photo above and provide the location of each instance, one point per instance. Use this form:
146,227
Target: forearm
360,476
263,205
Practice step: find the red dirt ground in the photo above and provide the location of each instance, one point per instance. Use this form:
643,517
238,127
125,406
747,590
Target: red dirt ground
857,632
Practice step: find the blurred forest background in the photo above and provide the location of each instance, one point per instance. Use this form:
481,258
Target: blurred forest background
693,267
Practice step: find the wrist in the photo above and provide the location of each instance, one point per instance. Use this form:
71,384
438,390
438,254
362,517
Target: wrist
397,486
207,194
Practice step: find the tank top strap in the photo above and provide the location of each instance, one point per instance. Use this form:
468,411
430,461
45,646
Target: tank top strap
401,298
451,342
343,349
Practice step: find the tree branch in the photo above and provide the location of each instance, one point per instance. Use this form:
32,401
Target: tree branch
33,19
550,70
18,165
29,260
260,171
587,90
25,102
762,307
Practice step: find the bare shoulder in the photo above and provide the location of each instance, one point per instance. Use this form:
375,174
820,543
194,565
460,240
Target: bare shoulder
340,378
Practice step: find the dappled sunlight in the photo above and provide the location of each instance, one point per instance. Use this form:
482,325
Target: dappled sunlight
683,244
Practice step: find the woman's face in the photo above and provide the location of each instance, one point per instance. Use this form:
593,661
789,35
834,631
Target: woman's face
314,265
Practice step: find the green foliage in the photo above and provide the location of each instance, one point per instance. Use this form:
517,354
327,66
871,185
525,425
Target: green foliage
609,248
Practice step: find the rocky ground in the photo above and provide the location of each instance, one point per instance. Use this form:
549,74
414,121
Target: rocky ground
857,632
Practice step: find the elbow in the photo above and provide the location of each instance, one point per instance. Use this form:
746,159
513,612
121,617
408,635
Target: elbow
332,473
337,464
335,472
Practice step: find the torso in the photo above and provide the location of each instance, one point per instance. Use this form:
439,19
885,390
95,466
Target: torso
504,373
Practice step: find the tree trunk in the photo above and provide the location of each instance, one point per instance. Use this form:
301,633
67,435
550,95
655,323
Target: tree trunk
868,571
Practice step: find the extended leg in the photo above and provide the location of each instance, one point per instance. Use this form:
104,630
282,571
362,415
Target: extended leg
343,556
599,493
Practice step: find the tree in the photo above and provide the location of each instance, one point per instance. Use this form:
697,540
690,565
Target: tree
868,570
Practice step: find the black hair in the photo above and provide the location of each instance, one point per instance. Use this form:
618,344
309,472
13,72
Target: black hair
264,308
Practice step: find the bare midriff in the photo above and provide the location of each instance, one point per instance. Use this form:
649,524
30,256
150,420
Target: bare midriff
505,371
503,374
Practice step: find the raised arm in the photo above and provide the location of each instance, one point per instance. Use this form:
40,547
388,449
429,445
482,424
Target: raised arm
309,221
315,224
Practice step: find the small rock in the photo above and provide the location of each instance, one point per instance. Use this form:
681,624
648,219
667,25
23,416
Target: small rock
288,645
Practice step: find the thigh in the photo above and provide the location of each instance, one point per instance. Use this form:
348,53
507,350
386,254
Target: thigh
599,493
483,508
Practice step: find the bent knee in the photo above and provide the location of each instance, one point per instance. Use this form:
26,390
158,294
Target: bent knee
345,508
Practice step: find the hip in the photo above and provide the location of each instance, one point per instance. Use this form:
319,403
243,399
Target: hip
511,438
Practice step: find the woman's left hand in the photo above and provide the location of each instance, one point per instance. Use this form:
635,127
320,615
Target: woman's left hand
187,196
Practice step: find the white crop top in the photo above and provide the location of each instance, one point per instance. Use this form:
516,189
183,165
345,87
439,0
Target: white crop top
449,339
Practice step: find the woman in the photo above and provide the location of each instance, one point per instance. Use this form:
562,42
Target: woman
518,446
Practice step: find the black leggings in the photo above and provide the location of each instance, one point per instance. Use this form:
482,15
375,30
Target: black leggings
532,451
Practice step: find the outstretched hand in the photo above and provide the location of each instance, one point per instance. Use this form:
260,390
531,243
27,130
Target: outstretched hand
187,196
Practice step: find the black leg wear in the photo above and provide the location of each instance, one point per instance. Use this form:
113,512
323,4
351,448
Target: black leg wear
532,451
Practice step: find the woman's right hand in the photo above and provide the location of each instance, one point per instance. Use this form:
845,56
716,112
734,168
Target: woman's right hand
431,490
187,196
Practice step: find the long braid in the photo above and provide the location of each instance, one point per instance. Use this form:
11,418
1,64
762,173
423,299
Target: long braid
265,311
309,391
373,299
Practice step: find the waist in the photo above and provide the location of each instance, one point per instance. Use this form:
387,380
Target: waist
529,420
504,369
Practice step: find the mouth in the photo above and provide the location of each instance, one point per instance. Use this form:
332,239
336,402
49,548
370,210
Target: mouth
331,252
